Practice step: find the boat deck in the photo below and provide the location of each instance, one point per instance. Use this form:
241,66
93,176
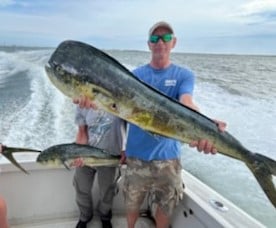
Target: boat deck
118,221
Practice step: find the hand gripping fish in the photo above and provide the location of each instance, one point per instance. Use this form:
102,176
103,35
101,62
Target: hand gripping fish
78,69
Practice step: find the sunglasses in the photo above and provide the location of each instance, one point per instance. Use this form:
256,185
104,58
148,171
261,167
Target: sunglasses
165,38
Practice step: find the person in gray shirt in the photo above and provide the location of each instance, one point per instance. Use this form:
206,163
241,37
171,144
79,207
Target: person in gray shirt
105,131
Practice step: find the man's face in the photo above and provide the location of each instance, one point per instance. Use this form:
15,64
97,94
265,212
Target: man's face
161,49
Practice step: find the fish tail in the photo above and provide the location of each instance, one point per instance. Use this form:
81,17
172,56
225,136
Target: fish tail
271,164
8,153
263,168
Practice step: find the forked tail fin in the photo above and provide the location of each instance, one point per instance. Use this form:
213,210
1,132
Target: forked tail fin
263,168
8,153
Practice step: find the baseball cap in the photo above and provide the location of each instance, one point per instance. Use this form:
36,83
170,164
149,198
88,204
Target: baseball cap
160,24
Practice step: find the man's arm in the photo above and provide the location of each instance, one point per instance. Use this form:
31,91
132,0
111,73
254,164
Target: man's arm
202,144
81,138
187,100
82,135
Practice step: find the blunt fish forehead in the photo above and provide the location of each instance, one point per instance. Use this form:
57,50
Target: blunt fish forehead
69,68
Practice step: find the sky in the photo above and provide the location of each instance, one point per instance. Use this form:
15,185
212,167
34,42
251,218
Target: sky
201,26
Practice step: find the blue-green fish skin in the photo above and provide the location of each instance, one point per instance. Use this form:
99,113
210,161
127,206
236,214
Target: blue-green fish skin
65,154
78,69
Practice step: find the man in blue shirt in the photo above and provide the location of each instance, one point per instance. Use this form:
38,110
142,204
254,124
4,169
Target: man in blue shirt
153,162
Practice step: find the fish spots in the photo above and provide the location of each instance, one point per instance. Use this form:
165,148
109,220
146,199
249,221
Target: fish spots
142,117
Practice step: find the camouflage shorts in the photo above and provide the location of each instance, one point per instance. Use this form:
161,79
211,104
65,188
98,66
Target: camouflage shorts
162,179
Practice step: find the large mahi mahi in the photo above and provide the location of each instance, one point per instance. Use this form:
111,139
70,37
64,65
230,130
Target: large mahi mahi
78,69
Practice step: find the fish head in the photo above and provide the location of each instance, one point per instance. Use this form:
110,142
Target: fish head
50,157
68,69
68,81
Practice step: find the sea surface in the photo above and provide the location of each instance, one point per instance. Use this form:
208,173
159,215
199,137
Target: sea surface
239,89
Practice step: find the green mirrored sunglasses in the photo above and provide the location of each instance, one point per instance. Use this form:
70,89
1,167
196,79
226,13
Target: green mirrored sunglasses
165,38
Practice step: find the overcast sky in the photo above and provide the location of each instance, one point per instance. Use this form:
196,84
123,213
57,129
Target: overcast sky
201,26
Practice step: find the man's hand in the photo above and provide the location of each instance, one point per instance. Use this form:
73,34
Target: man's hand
123,158
221,125
78,162
206,146
84,102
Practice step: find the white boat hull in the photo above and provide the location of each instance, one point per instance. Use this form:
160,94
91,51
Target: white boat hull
46,198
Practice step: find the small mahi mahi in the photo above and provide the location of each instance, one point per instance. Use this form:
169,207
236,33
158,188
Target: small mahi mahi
65,154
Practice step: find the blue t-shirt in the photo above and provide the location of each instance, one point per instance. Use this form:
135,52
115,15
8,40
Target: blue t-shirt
174,81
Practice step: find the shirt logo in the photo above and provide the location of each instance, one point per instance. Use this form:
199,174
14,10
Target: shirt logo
170,82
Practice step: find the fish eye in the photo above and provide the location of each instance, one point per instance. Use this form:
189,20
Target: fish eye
114,106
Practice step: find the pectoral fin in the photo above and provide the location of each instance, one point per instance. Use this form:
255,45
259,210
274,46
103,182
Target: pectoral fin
66,165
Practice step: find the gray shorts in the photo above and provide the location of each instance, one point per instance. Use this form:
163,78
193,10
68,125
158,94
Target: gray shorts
162,178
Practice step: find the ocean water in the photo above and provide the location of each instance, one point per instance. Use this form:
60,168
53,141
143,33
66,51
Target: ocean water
240,90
